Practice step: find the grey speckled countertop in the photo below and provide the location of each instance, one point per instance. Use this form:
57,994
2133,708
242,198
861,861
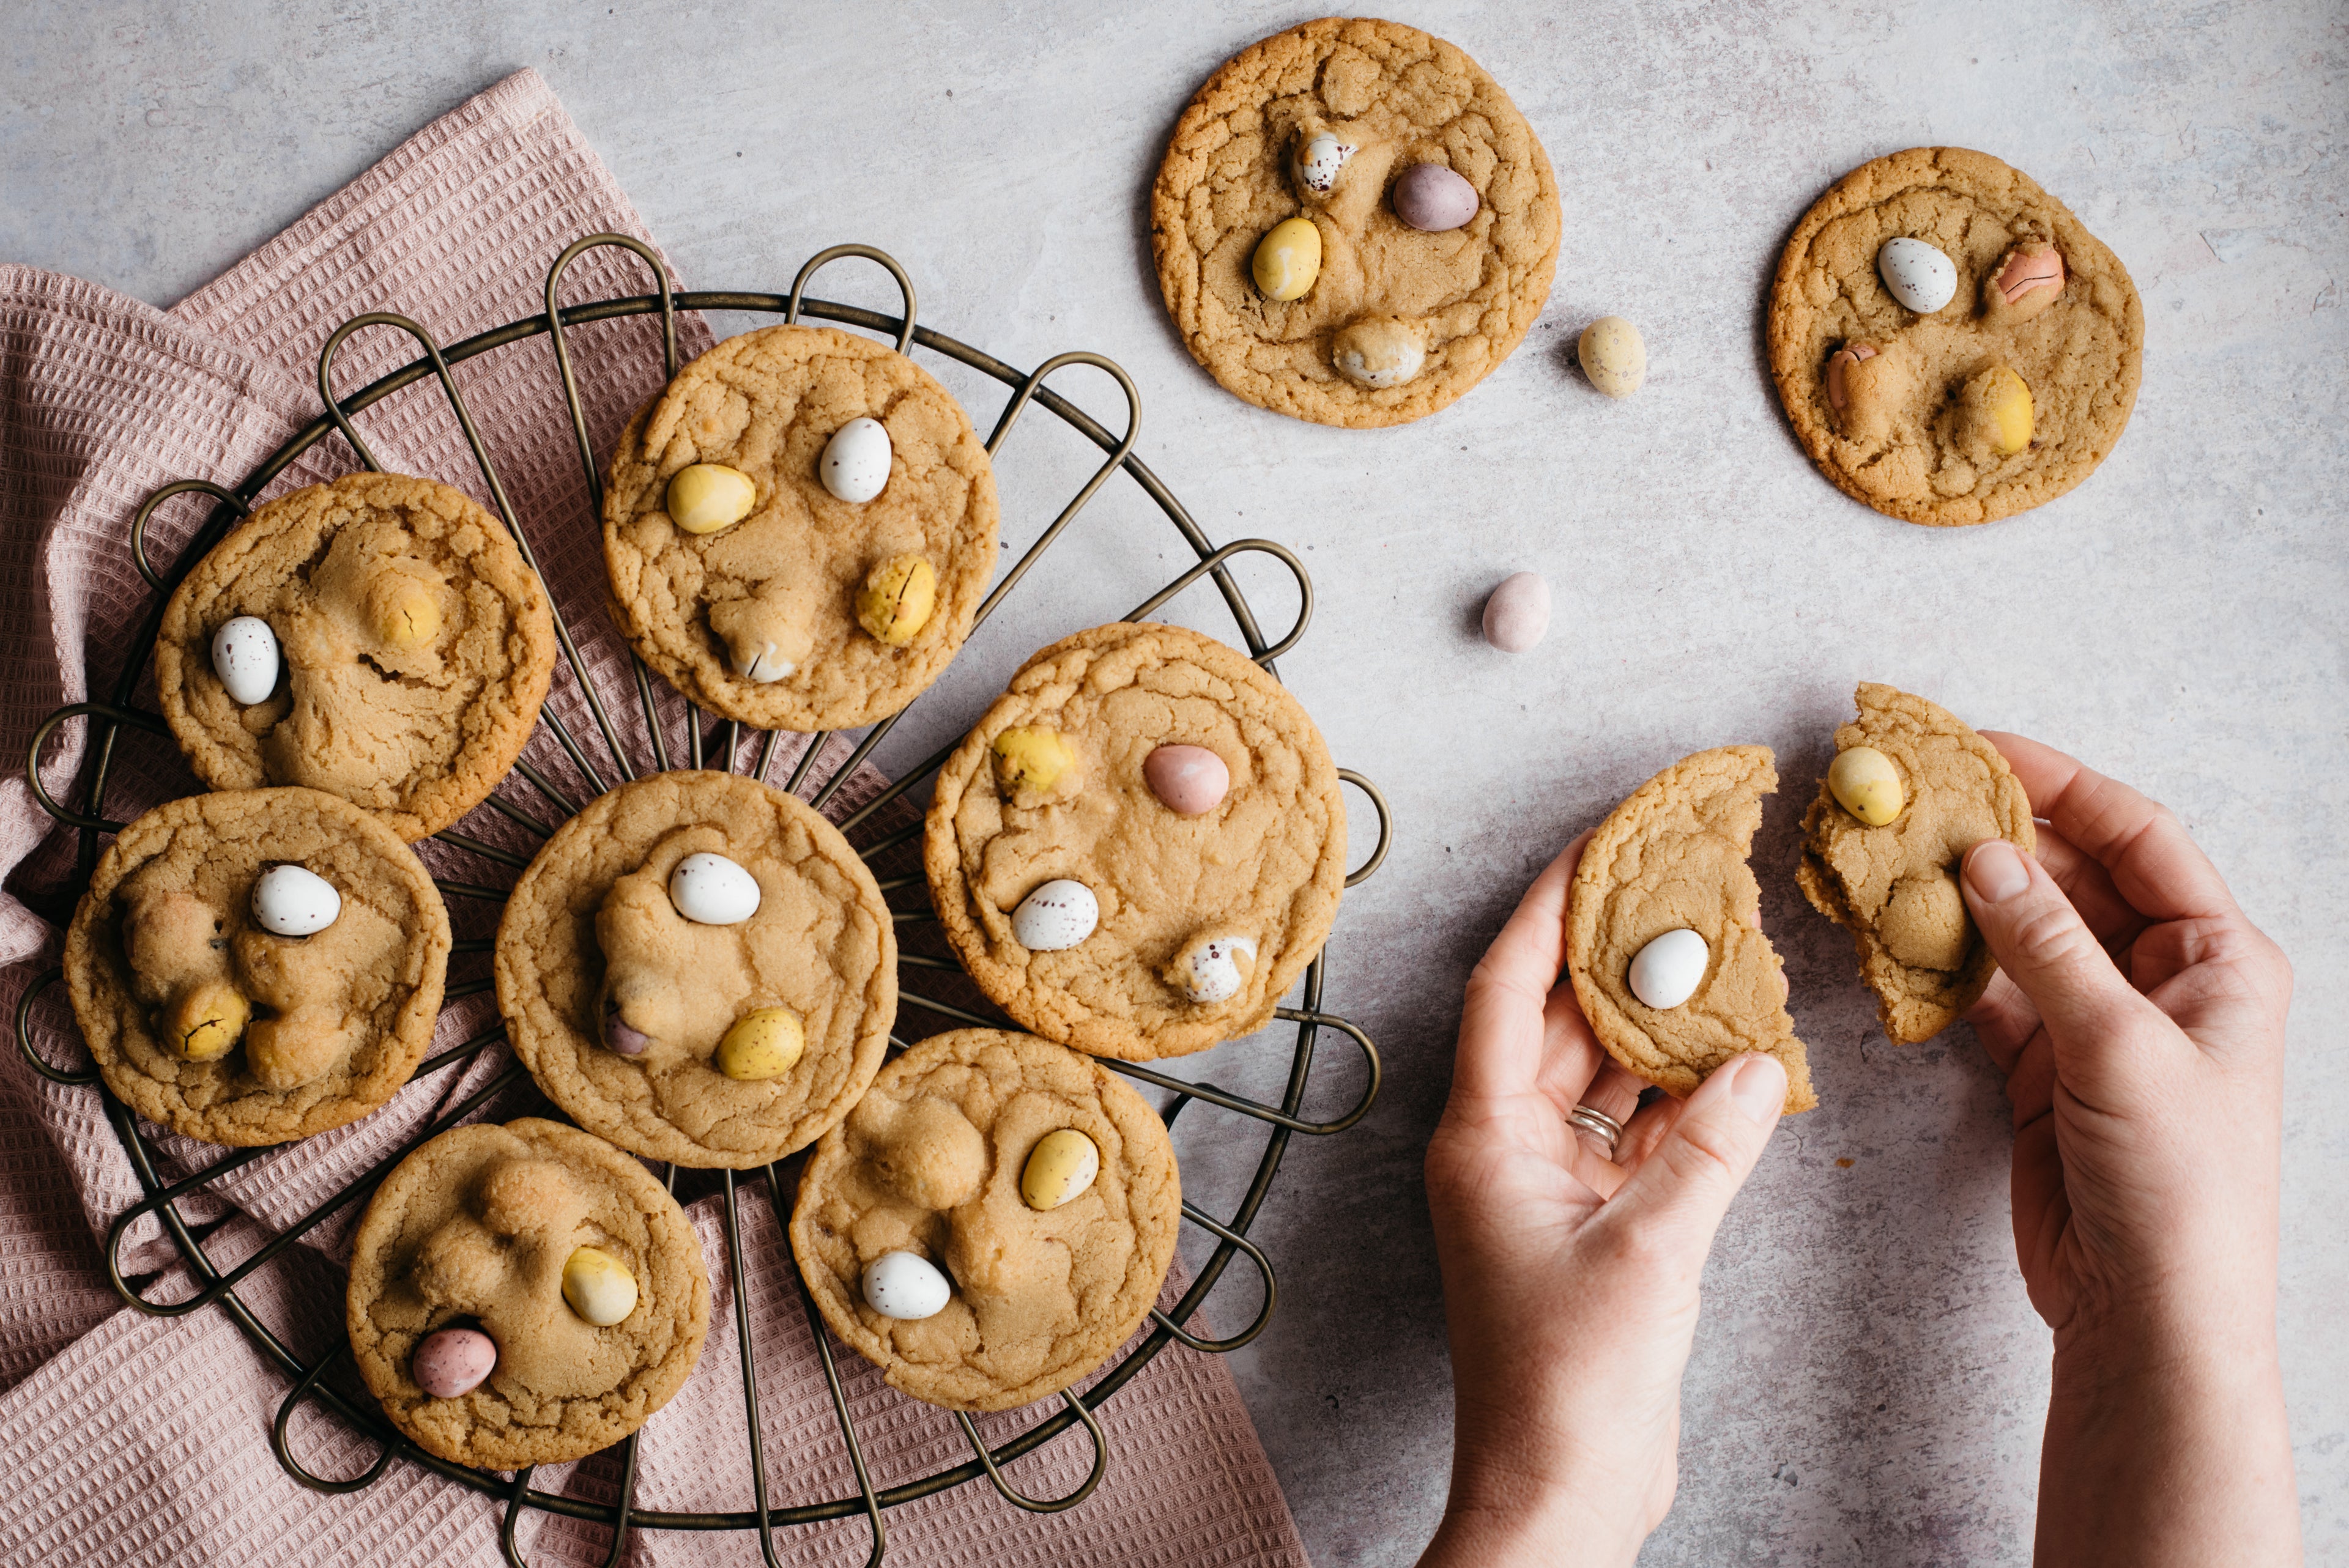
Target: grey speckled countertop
1869,1379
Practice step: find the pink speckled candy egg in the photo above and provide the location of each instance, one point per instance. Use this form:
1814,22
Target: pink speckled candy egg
1518,614
454,1361
1432,198
1188,780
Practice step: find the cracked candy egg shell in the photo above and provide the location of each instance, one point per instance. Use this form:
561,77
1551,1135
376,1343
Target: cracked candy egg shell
1267,862
418,735
379,967
1906,453
1401,98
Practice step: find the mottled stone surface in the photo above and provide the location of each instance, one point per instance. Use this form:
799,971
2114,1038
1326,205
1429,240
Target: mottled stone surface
1869,1380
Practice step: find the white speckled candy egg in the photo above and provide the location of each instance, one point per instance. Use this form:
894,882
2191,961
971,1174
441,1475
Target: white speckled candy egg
1920,276
1613,355
291,901
856,460
1517,614
453,1362
1058,914
905,1285
1317,162
710,889
1210,971
244,656
1667,972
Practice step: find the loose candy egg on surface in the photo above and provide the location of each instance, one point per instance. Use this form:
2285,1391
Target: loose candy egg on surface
1189,780
764,1043
1613,355
1317,162
453,1362
1667,972
598,1287
1059,1168
710,889
1057,915
294,901
905,1285
1214,970
1287,258
1865,783
1378,351
621,1036
244,656
855,465
1031,756
1920,276
1434,198
1517,614
704,498
207,1021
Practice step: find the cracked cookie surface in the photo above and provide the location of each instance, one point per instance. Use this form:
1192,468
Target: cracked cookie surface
1674,856
930,1162
1464,297
416,729
594,908
473,1229
766,403
339,1018
1895,887
1908,439
1267,863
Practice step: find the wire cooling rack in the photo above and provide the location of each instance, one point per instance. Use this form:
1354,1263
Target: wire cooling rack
724,739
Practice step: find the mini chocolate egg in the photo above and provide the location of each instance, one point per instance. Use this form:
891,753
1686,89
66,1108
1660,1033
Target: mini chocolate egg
621,1036
906,1286
855,465
598,1287
453,1362
1189,780
1613,355
1434,198
1059,1169
1317,162
764,1043
710,889
1517,614
1667,972
292,901
1057,915
1211,971
244,656
1920,276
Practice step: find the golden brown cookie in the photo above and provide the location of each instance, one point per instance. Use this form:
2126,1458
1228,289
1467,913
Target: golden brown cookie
474,1231
206,1023
1911,414
1205,917
932,1163
1895,886
414,649
593,946
1671,858
1399,321
779,587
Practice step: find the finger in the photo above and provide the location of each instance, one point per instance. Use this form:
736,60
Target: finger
1504,1018
2090,888
1674,1201
1646,1129
1611,1092
2155,865
2003,1020
1572,1057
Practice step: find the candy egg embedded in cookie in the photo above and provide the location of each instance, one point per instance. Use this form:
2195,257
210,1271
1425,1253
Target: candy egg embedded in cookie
244,657
855,465
1060,915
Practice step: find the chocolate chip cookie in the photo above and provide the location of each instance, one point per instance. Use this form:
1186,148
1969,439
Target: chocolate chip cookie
1141,846
204,1019
940,1174
1428,223
795,608
699,968
1671,860
1895,885
468,1274
409,645
2004,379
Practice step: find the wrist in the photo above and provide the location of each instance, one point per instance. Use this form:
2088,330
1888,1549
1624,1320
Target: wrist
1493,1520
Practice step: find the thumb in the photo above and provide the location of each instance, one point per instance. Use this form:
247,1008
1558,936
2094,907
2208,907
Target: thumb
2039,939
1675,1200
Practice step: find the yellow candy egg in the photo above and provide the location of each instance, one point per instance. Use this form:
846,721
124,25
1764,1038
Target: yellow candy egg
1059,1168
207,1021
404,613
896,600
1287,258
1031,756
763,1043
706,497
598,1287
2008,403
1865,782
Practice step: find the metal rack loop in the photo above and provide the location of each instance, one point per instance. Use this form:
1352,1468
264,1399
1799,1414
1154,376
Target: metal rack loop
1018,1498
1386,825
147,509
1264,1266
1245,1107
111,712
40,983
1279,552
280,1440
823,258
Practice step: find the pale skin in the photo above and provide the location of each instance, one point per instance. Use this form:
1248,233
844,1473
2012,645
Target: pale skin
2139,1020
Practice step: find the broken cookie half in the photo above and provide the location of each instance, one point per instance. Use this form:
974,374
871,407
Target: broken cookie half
1880,854
1664,875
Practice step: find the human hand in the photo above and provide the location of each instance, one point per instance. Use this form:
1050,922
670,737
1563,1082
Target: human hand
1570,1280
2139,1019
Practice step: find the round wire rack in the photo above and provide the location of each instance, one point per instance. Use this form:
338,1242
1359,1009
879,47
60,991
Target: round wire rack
215,1284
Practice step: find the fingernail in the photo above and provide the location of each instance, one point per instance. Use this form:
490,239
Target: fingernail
1759,1088
1995,871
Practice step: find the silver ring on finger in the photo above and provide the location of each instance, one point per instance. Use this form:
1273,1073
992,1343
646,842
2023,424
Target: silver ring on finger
1590,1118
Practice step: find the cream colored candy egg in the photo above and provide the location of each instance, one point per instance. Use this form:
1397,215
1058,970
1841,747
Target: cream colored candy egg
1059,1168
1287,258
1667,972
765,1043
906,1286
1865,782
855,465
1613,355
294,901
704,498
244,656
1378,352
598,1287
